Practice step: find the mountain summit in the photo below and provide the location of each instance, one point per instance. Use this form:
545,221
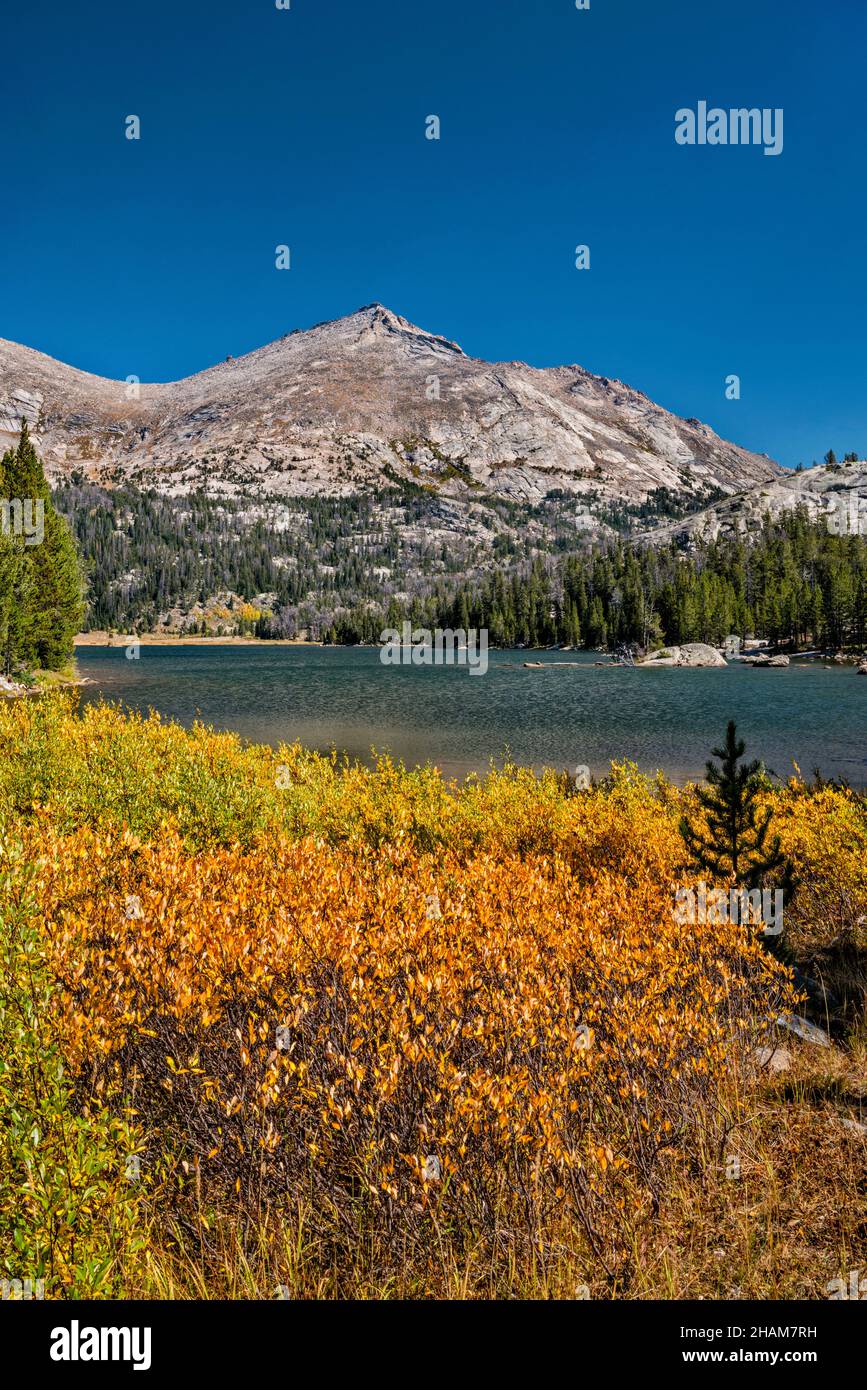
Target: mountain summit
368,399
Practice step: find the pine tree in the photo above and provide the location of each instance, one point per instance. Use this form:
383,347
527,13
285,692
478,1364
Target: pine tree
16,593
41,590
736,846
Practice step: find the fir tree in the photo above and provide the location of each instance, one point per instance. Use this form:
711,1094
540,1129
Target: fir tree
41,598
736,845
16,595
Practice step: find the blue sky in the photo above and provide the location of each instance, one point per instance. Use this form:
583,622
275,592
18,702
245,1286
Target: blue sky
307,127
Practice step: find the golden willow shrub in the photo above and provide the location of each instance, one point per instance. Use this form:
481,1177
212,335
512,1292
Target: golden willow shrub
491,1027
823,832
406,1044
69,1218
105,768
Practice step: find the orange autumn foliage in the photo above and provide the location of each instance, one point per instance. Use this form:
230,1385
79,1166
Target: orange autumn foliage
547,1042
411,1010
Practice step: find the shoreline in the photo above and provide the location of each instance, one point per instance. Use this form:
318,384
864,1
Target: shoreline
102,639
154,639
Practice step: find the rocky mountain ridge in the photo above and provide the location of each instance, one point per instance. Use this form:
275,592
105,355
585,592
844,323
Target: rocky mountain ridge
370,399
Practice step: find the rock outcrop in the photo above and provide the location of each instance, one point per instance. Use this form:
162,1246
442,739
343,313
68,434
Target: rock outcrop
18,405
835,494
689,654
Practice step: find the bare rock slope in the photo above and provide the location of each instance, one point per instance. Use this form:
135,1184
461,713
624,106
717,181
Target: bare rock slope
835,494
349,405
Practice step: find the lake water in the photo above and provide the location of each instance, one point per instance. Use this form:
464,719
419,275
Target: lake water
810,713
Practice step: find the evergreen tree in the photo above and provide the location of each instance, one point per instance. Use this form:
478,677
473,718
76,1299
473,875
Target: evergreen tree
736,845
41,591
324,562
16,593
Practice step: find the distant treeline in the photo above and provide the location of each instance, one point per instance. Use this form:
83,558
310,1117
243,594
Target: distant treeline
342,569
316,558
146,554
793,582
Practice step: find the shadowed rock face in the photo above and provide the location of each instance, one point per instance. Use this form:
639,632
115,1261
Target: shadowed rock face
349,405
